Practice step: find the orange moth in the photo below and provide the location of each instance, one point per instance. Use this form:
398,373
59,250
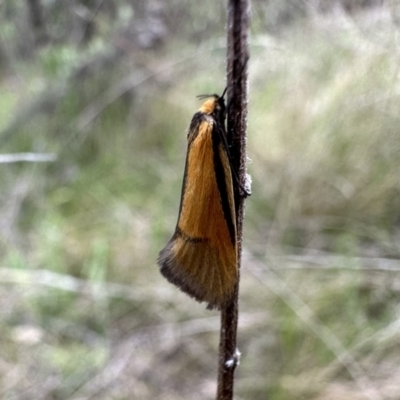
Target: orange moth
201,256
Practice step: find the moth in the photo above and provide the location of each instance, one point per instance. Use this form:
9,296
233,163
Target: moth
201,256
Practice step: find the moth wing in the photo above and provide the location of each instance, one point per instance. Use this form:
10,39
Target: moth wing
201,256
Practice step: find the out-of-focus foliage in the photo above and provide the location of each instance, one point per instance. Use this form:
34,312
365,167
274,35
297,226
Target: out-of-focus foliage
109,88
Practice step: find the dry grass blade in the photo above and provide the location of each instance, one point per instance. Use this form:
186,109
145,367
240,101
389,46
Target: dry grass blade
269,278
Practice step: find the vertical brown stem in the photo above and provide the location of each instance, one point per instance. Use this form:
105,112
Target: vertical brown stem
237,56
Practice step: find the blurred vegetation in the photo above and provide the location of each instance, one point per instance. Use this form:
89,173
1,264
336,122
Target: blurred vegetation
109,87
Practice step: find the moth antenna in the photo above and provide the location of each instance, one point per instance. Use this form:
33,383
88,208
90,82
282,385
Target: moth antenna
204,96
224,92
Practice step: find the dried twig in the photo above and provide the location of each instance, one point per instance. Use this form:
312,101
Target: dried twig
27,157
237,56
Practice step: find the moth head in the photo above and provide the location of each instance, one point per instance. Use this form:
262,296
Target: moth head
214,104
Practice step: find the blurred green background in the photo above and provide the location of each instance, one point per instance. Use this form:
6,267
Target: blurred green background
109,88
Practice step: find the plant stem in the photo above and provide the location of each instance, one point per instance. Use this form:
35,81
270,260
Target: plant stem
237,57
